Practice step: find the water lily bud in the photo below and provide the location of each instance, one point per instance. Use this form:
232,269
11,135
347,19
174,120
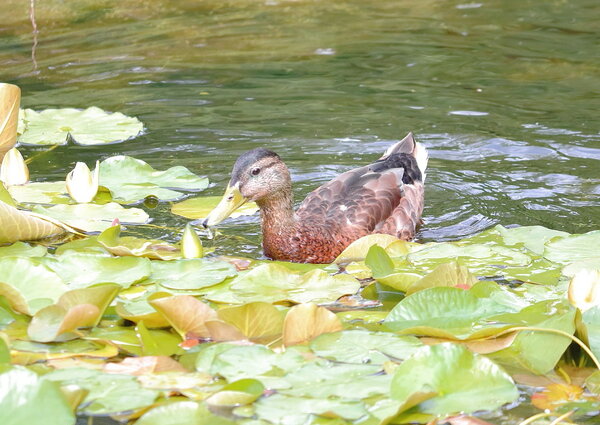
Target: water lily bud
82,184
191,246
584,289
14,170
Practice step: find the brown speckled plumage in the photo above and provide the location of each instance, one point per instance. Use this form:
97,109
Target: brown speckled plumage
383,197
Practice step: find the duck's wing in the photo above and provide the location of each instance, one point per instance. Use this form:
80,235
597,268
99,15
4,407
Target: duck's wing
371,198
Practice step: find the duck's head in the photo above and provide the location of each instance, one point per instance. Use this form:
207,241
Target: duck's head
257,175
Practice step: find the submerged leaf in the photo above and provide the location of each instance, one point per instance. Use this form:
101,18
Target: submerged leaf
131,180
91,126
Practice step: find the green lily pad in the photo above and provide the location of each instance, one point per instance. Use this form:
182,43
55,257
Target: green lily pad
537,351
200,206
130,180
28,284
591,321
347,381
450,313
364,347
286,410
244,391
75,309
21,249
449,274
107,393
112,241
259,322
94,217
82,269
276,283
182,412
41,193
193,273
91,126
25,398
573,248
463,382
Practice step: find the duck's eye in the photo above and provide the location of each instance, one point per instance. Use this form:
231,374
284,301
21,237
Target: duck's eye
255,171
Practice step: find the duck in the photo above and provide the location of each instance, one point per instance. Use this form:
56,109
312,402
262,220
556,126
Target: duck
386,196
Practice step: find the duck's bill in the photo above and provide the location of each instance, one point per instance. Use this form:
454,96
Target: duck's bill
231,201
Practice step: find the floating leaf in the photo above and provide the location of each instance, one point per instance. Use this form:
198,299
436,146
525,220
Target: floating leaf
565,250
25,398
111,240
94,217
237,393
449,274
200,206
107,393
276,283
27,352
74,309
186,314
191,274
259,322
379,262
131,180
449,313
182,412
21,249
29,285
591,321
82,269
157,342
358,249
40,193
305,322
463,381
531,237
18,225
91,126
364,347
10,98
138,310
281,409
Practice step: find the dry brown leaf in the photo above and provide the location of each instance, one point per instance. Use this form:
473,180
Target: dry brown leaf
17,225
307,321
486,346
10,98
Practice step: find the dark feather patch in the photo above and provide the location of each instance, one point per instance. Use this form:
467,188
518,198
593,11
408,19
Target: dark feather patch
408,162
247,159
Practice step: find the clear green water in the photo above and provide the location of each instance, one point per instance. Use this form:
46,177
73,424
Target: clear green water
504,93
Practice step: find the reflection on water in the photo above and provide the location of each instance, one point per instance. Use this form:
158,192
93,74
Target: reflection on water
501,92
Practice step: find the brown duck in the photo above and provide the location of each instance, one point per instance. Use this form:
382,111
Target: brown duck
383,197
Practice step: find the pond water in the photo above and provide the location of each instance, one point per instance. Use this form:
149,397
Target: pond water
504,93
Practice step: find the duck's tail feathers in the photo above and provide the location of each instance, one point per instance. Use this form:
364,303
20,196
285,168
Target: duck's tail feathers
409,146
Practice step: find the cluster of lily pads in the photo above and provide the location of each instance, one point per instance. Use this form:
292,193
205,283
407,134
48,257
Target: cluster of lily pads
146,331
